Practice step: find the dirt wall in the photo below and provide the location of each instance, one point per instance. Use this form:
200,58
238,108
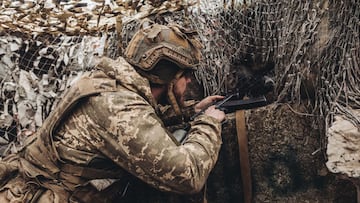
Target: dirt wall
287,163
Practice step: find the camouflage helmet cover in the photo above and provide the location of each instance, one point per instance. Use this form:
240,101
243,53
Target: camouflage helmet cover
155,42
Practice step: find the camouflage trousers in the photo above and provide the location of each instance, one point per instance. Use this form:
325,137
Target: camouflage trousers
17,185
18,190
15,188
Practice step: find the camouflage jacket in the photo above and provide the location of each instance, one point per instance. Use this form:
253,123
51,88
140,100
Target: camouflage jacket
107,136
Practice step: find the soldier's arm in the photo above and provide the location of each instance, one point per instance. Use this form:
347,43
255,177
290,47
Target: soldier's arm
136,140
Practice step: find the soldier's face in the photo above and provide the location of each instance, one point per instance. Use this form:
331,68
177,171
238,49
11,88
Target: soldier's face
180,88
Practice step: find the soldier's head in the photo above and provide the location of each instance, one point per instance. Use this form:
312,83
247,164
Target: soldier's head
165,55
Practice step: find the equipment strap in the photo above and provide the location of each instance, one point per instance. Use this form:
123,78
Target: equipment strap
244,155
90,173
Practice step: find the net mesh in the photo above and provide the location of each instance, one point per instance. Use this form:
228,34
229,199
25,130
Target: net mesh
299,51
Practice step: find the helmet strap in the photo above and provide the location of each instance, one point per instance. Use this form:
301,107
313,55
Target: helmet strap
172,98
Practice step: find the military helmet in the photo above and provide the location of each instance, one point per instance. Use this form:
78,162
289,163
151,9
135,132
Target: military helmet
160,52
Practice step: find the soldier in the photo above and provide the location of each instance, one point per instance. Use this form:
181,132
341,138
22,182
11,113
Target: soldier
106,142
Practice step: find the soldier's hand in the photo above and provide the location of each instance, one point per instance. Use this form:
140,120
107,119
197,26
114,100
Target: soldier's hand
207,102
215,113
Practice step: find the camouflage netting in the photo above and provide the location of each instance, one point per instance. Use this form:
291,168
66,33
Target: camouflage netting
45,45
292,51
310,49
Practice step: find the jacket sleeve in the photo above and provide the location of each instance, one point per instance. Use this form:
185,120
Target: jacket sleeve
131,134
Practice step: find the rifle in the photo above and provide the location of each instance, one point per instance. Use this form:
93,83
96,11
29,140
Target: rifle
228,105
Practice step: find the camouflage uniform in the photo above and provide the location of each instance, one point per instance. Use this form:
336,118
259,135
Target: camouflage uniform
110,142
